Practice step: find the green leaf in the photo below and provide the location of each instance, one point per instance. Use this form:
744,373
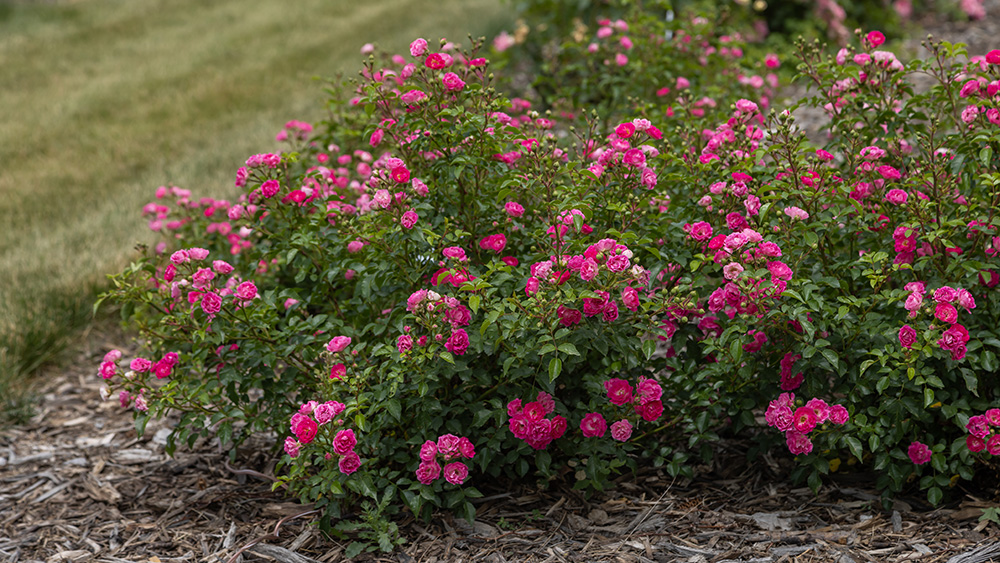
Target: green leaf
474,301
548,348
648,347
569,348
354,550
555,368
392,405
865,365
855,446
831,357
928,397
934,496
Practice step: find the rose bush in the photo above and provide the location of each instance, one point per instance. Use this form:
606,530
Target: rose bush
440,285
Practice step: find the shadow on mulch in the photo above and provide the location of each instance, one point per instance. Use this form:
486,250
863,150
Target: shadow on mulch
76,484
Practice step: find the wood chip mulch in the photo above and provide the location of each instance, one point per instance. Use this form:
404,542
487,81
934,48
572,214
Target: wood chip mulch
77,484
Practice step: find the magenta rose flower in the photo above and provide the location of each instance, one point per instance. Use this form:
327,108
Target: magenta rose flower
797,442
447,446
338,343
593,425
304,428
946,313
621,430
650,410
349,463
458,342
919,453
619,391
839,414
456,473
804,420
907,336
344,441
558,427
428,451
428,472
291,447
246,291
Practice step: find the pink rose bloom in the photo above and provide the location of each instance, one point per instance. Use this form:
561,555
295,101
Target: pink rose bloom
634,158
896,196
304,428
404,343
292,447
338,371
180,257
513,209
780,270
221,267
270,188
919,453
946,312
648,390
558,427
349,463
534,411
325,412
338,343
625,130
650,410
162,369
732,270
514,408
992,416
945,294
874,39
140,365
618,263
821,409
428,451
409,219
113,356
344,441
458,342
975,443
621,430
418,47
246,291
448,446
619,391
978,426
518,426
610,312
593,425
466,448
839,414
798,443
796,213
966,300
456,473
355,246
804,420
412,97
568,317
701,231
428,472
437,61
907,336
108,370
589,269
455,252
630,297
452,82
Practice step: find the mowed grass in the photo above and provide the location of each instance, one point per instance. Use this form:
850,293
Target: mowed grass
101,101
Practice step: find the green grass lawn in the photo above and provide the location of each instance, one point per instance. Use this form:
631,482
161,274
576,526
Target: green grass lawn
104,100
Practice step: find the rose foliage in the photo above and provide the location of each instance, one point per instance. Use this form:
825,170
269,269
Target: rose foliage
440,286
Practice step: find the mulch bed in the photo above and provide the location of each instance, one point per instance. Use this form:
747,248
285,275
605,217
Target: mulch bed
77,484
